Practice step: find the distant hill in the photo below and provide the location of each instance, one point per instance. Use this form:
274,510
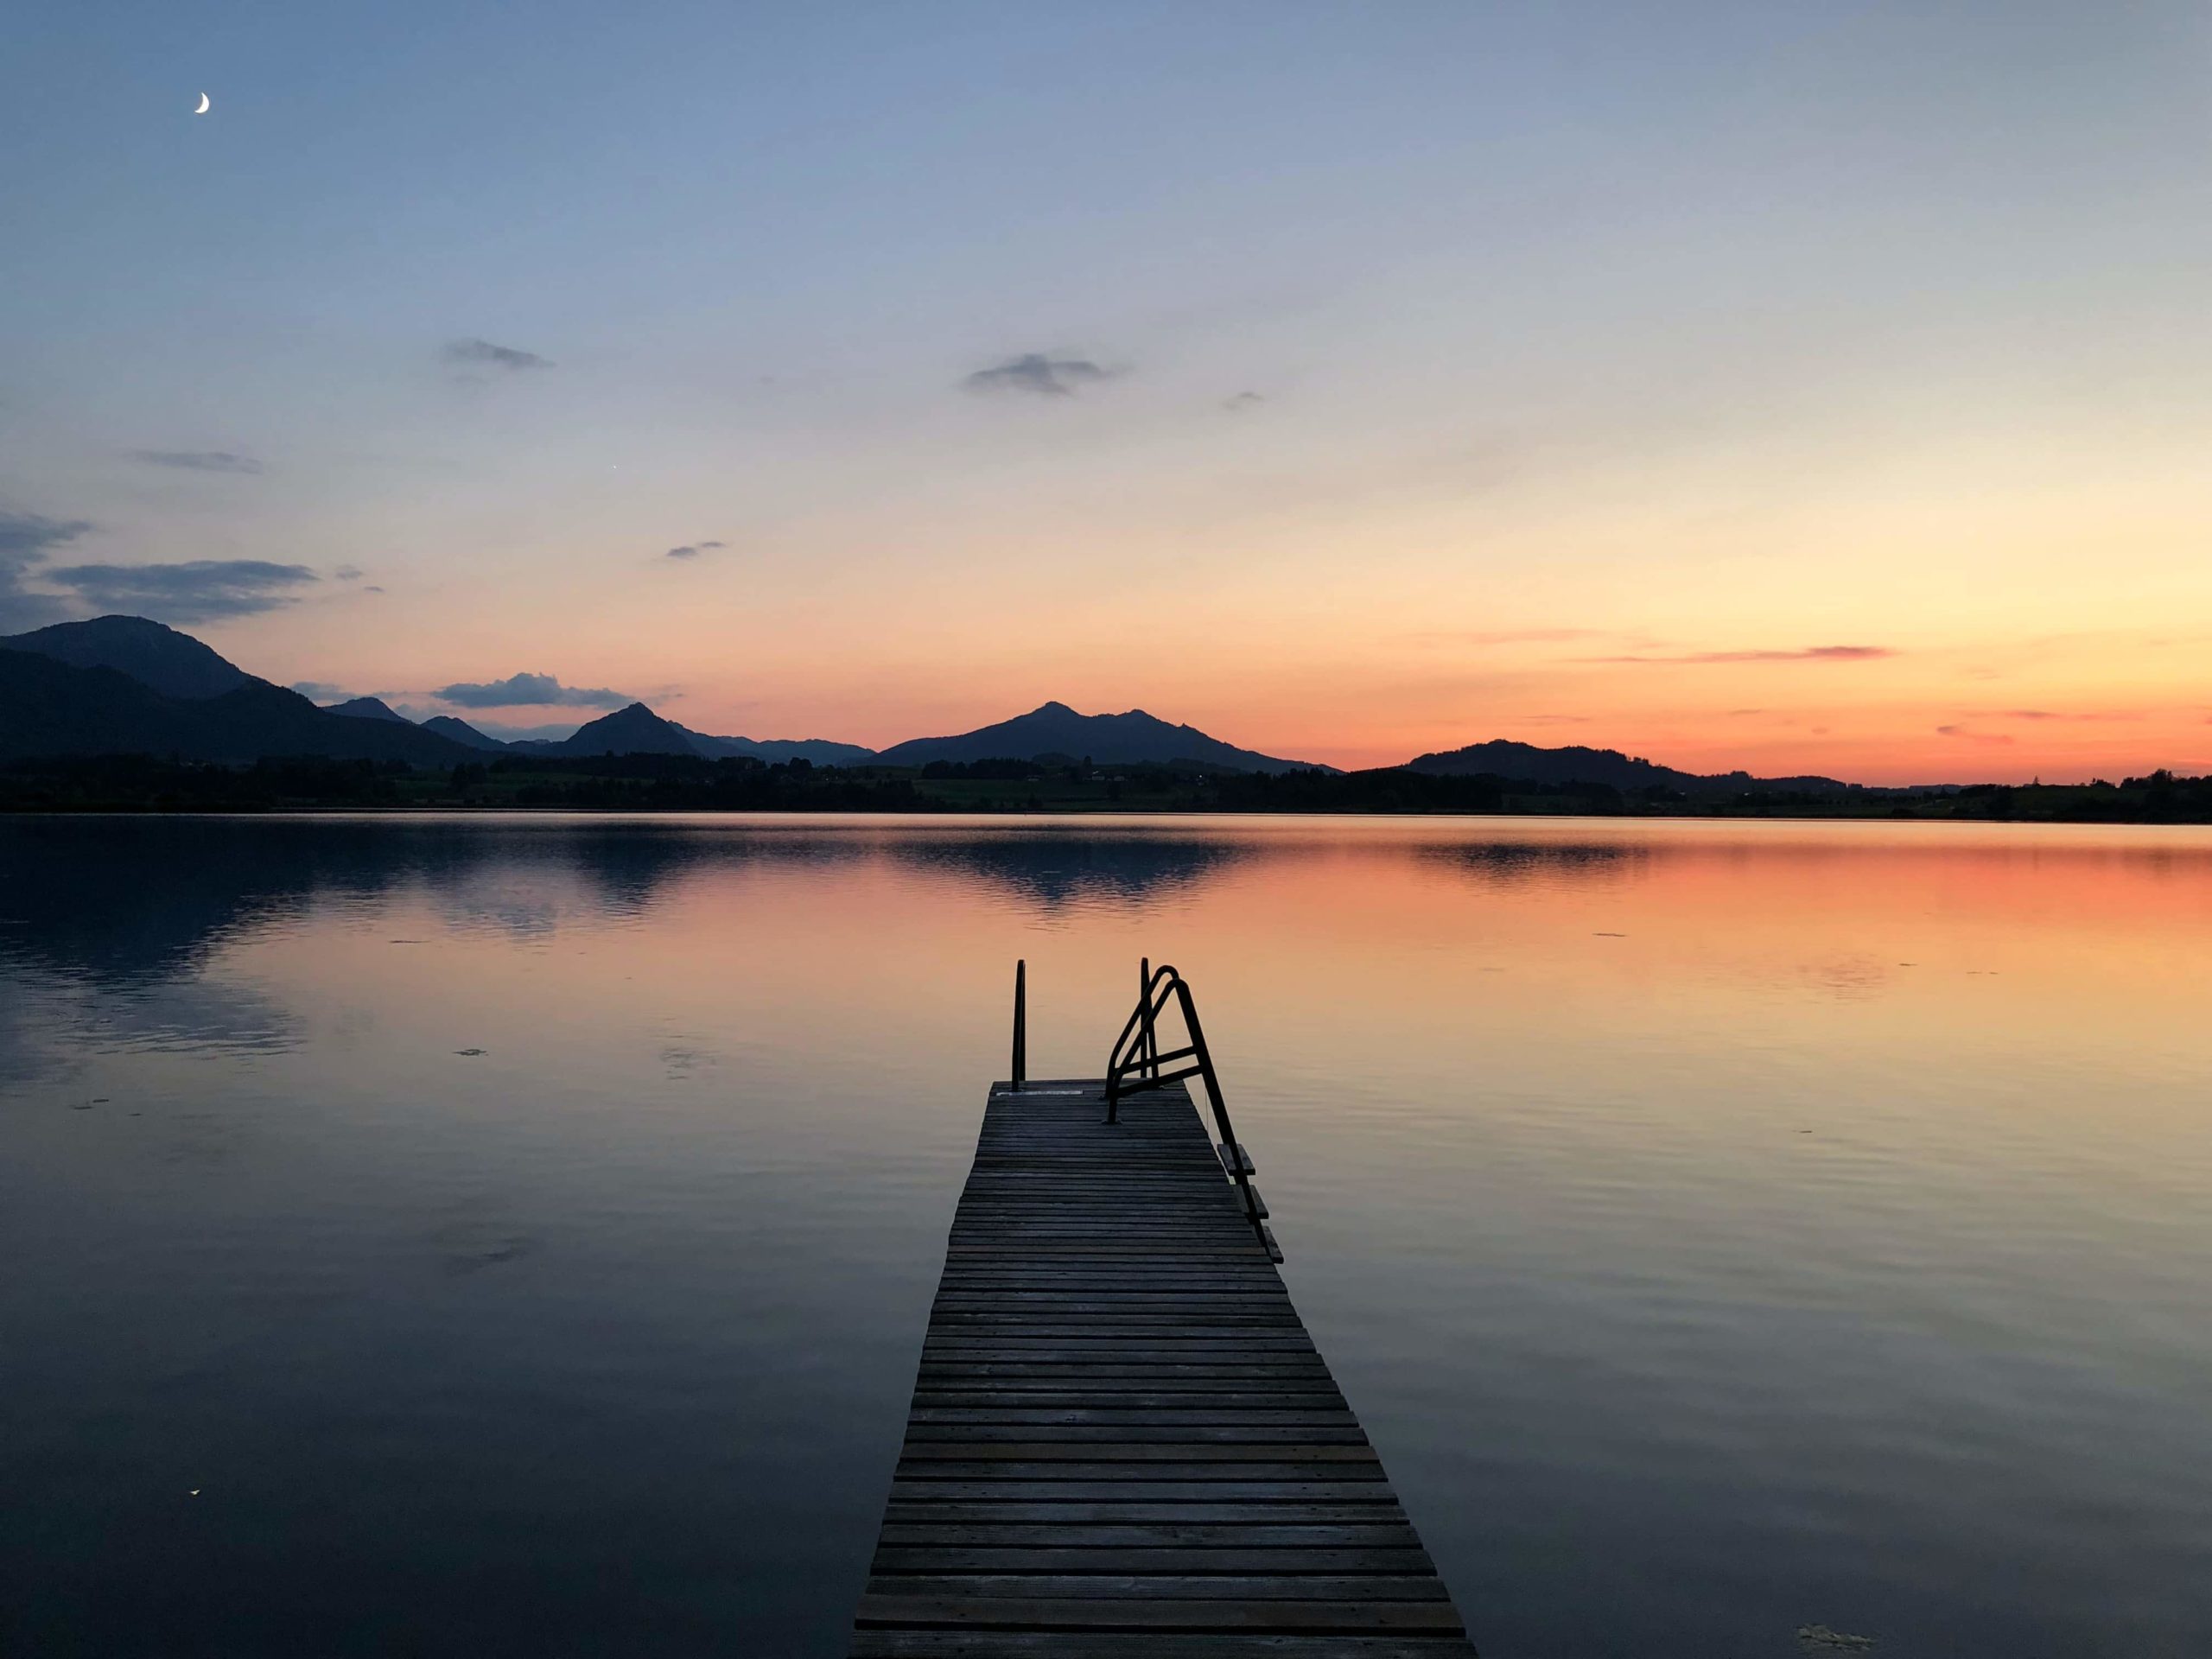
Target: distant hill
51,708
1576,764
173,663
1108,740
633,730
461,732
366,709
820,750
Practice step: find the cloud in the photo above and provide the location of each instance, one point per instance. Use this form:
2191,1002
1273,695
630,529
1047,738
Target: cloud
692,549
1243,401
1962,735
1808,654
1037,375
347,573
530,690
197,461
26,538
322,691
484,353
199,590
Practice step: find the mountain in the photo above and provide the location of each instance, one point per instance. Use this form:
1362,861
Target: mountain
633,730
50,706
819,750
366,709
461,732
1575,765
175,665
1108,740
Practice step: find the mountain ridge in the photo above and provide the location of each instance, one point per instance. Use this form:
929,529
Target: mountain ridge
168,660
1130,738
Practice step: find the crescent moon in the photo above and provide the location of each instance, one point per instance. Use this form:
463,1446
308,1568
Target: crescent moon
202,110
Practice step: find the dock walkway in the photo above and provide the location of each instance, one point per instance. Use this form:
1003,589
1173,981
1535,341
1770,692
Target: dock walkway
1123,1441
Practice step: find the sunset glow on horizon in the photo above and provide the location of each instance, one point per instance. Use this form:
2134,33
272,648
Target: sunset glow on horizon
1751,387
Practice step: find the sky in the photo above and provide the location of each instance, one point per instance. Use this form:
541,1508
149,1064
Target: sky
1790,386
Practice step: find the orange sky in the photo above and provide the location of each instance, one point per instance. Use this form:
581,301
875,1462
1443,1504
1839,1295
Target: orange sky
1569,374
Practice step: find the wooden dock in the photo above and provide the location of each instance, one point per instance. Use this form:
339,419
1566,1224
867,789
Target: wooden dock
1123,1441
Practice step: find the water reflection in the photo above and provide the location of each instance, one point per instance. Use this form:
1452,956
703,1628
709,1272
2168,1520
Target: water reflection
520,1230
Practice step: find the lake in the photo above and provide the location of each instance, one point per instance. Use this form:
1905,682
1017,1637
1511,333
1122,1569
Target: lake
509,1234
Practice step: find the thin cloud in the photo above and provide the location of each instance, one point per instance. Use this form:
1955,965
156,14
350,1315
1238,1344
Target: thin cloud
530,691
26,538
483,354
1037,375
1963,734
2098,717
1243,401
199,590
197,461
692,549
347,573
322,691
1808,654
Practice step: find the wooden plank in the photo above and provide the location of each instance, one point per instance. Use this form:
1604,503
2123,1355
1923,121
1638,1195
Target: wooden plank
975,1558
1062,1513
1123,1441
1319,1493
1116,1613
1027,1644
1208,1588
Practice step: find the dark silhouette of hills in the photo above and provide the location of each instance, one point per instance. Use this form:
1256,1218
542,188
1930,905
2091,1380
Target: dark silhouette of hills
50,707
366,709
637,730
770,750
461,732
1129,738
173,663
1610,768
633,730
126,685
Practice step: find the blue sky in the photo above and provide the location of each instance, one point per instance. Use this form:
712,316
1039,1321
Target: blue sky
1732,327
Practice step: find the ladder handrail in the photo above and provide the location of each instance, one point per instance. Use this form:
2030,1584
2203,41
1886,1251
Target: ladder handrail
1133,1066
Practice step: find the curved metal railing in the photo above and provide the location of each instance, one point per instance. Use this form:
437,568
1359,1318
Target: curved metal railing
1136,1064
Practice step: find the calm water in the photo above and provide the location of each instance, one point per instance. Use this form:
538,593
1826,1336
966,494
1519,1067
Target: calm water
515,1237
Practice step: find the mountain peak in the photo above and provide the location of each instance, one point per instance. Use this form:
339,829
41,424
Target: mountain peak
175,665
367,708
1131,739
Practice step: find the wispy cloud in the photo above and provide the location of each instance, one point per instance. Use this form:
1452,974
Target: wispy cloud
198,590
347,573
33,535
322,691
692,549
530,691
1243,401
1965,734
1037,375
26,538
197,461
482,354
1807,654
